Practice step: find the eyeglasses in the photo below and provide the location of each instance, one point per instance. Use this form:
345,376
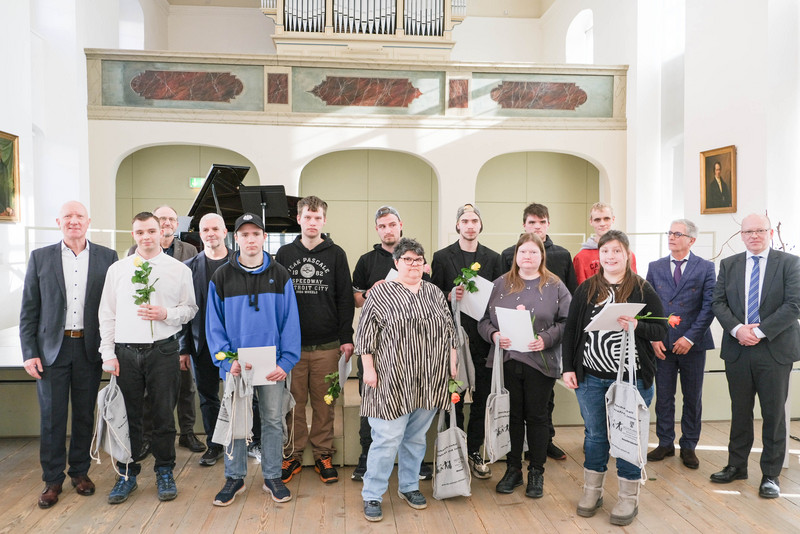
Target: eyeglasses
678,234
412,261
165,219
749,233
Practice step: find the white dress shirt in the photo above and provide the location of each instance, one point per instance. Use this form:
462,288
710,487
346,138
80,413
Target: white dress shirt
118,315
76,273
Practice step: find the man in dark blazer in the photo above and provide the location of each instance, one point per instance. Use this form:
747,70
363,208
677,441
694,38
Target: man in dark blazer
718,193
168,220
193,338
757,302
445,267
685,283
60,338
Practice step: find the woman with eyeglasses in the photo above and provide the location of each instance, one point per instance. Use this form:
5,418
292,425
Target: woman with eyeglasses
591,360
406,339
529,376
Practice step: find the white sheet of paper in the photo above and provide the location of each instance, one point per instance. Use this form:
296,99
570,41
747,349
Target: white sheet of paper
345,367
392,275
474,304
607,318
516,325
263,361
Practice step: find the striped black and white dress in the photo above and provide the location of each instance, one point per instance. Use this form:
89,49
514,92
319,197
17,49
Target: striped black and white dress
409,336
601,355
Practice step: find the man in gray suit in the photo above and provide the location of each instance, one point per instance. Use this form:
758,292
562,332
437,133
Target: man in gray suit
172,246
60,338
757,302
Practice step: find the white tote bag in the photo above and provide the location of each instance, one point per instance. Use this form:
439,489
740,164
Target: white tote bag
497,442
111,433
627,415
235,419
466,368
451,474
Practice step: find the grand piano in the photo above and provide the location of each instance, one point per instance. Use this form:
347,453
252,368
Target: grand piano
223,193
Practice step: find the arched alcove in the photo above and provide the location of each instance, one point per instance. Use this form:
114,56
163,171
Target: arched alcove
355,183
160,174
580,39
568,185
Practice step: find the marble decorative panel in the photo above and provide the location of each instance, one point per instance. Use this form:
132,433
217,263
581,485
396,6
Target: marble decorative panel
459,94
182,85
367,92
542,95
277,88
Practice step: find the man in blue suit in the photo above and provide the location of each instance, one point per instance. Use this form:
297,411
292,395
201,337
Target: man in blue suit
685,282
60,338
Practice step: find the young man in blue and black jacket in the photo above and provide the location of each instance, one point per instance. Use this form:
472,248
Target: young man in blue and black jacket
251,303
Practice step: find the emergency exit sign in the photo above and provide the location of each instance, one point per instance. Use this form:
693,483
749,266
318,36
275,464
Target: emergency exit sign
196,182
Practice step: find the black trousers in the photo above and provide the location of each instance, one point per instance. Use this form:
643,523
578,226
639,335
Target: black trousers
206,375
73,376
529,392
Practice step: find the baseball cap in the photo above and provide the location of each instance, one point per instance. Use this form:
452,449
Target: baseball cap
248,218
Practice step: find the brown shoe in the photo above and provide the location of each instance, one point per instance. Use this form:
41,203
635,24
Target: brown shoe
659,453
50,495
83,485
690,458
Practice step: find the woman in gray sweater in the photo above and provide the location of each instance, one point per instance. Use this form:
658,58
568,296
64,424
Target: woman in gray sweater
529,376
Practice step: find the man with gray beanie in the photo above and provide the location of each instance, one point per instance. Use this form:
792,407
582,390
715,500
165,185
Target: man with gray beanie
446,266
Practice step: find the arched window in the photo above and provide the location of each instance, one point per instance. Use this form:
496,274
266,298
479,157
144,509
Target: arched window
580,38
131,25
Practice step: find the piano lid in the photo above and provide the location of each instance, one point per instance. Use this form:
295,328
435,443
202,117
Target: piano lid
219,194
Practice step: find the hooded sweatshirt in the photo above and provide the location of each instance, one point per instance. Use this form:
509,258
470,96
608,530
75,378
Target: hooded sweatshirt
324,290
252,309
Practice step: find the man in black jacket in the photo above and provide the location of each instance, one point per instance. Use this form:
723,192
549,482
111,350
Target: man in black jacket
446,266
324,291
536,220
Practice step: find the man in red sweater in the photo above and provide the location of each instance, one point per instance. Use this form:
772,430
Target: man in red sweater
587,261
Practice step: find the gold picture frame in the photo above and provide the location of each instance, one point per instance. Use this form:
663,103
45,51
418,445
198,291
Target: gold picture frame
9,177
718,180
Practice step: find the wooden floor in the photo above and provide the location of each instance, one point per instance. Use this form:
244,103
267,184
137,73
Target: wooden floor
675,499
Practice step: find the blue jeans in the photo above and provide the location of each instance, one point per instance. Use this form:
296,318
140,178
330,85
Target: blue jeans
270,408
404,438
592,401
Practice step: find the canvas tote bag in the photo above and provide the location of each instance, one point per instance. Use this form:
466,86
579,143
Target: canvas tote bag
235,419
497,442
451,474
466,368
627,415
111,432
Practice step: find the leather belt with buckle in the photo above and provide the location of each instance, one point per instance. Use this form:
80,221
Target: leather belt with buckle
144,346
73,333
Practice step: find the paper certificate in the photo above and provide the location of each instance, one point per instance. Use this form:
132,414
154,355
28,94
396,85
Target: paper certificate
345,368
474,304
607,318
517,326
263,361
392,275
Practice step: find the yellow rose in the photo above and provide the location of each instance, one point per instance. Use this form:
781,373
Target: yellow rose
137,261
220,356
475,266
328,399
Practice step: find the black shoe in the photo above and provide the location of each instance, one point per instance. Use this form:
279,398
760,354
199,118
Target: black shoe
535,487
190,441
327,473
729,474
289,468
661,452
212,454
511,480
425,471
689,458
554,452
144,452
770,488
361,469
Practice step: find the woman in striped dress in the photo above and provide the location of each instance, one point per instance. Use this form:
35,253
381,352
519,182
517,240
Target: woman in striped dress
406,340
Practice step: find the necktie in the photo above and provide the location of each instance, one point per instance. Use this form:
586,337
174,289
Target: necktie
752,294
677,274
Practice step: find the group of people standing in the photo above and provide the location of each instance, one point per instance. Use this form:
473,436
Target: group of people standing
302,302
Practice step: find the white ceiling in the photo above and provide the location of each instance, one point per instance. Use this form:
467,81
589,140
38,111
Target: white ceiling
475,8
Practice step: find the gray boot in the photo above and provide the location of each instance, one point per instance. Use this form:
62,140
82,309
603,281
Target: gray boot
592,497
627,503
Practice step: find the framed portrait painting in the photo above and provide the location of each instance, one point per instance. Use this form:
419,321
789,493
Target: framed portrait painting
718,180
9,177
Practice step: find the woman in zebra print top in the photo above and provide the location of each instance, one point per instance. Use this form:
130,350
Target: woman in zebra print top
591,360
406,339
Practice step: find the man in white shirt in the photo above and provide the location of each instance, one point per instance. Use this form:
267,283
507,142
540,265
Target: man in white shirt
139,344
